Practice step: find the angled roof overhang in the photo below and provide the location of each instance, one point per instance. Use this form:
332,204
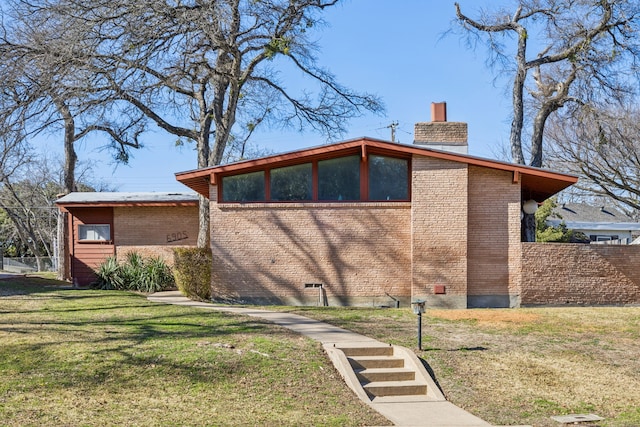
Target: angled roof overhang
538,184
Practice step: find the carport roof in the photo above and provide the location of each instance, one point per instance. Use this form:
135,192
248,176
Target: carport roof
536,183
106,199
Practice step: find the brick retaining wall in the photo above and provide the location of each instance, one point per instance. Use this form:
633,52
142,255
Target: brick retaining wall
575,274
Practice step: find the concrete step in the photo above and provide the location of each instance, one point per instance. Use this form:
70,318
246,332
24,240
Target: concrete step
368,351
375,362
386,374
382,374
395,388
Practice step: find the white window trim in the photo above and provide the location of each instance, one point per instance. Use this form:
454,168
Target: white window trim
96,234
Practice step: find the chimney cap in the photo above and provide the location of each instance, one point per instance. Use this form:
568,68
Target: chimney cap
439,111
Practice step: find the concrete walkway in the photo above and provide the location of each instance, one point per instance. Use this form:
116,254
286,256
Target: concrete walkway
408,413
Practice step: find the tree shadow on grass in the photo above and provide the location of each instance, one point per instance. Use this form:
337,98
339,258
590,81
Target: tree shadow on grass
130,337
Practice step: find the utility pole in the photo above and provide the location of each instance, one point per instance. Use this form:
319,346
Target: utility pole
393,126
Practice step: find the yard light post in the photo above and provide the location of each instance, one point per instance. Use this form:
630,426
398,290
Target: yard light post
418,309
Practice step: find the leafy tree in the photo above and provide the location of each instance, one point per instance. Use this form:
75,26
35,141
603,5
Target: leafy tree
550,233
202,70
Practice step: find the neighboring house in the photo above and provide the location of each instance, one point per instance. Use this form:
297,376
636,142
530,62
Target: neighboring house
598,223
112,224
370,222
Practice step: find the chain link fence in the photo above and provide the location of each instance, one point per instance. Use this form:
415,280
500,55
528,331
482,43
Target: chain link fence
26,264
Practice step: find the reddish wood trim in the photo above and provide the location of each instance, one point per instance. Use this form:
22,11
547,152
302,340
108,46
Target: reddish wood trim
548,182
364,178
339,149
516,177
267,185
314,180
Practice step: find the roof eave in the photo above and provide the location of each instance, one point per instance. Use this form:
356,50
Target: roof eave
537,183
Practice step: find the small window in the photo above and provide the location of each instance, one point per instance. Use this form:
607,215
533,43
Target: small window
95,232
388,178
601,238
247,187
339,179
292,183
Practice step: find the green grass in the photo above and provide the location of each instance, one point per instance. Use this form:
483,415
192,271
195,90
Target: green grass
70,357
82,357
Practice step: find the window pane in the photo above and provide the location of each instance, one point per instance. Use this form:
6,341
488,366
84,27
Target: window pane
292,183
388,178
339,179
248,187
94,232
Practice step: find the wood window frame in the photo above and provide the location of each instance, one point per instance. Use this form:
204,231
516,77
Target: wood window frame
363,153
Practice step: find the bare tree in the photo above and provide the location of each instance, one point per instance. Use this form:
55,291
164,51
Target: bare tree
586,52
603,147
47,87
27,201
584,49
202,70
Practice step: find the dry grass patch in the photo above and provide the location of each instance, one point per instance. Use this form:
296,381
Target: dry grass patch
493,317
520,366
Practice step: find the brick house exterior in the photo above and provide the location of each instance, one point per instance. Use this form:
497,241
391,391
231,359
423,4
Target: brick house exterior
107,224
454,240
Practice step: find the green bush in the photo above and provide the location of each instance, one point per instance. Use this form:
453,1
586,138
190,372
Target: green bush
110,275
135,274
192,270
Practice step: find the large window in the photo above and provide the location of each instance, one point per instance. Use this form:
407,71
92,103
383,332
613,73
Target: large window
339,179
247,187
388,178
348,178
292,183
99,232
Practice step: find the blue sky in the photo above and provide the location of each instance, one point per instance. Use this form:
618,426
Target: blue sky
393,48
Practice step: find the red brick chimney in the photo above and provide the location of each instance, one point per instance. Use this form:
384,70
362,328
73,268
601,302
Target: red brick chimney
440,134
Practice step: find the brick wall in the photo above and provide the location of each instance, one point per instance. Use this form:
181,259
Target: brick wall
158,225
267,252
580,274
494,238
439,227
164,252
447,132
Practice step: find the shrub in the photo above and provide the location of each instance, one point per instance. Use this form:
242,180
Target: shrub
110,275
155,276
136,274
192,270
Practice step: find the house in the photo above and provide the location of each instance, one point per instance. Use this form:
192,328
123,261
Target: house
598,223
103,224
372,222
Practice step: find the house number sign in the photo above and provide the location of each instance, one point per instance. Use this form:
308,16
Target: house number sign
174,237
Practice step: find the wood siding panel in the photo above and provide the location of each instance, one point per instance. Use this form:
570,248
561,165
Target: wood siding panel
86,256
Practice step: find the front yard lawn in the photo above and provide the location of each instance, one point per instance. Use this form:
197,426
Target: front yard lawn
83,357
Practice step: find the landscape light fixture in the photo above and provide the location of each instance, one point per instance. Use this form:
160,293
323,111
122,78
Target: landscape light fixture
418,307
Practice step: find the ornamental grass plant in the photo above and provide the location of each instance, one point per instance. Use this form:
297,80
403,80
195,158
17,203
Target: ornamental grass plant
136,273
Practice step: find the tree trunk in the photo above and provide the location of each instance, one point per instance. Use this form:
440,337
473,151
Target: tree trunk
204,238
528,228
69,182
537,136
517,96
